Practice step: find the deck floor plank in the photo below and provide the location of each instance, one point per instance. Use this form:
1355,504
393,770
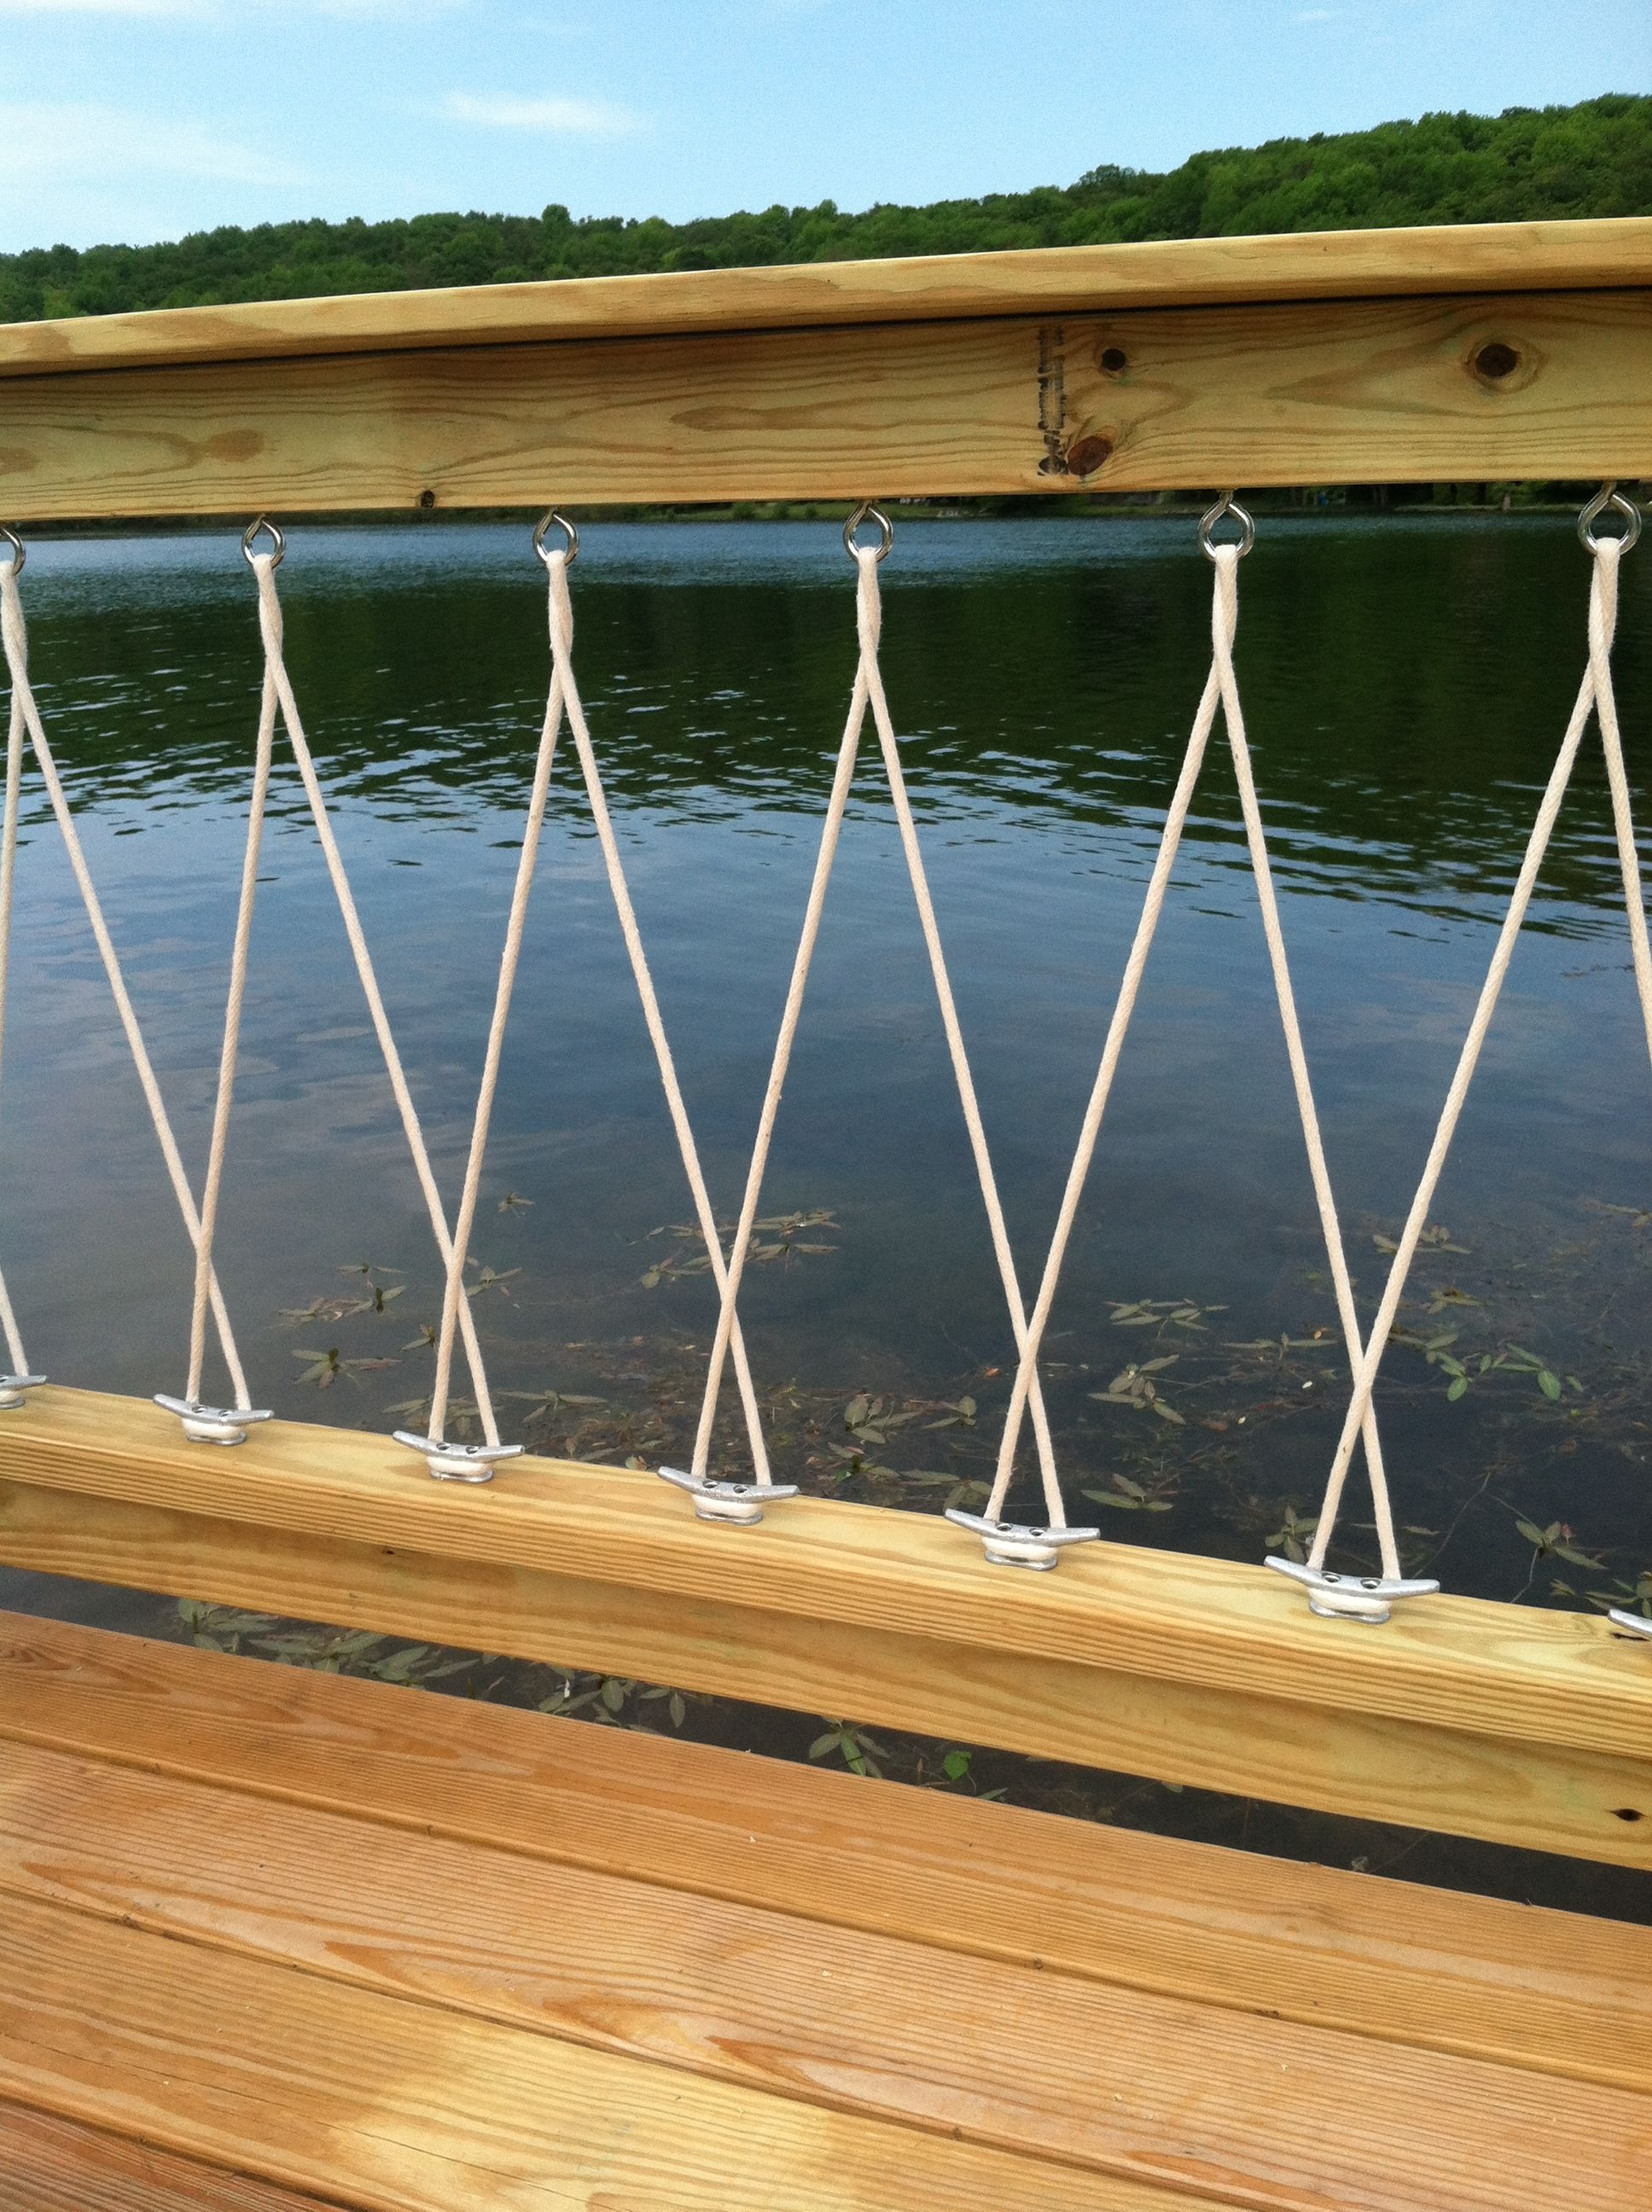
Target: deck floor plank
48,2164
1549,1991
394,2106
1125,2083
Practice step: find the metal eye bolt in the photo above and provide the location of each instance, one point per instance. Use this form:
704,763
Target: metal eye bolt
1227,508
250,539
570,535
869,511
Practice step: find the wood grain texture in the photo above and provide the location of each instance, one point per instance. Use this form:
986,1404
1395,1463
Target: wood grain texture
393,2105
1503,1723
1217,1736
1146,2088
48,2164
1056,281
1519,1985
1383,390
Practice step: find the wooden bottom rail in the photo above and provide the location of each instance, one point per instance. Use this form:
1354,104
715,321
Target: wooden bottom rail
602,1996
1505,1723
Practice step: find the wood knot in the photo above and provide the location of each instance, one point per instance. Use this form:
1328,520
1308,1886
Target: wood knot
1495,360
1085,455
427,497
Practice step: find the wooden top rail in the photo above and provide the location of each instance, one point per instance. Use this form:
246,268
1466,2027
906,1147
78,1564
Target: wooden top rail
1488,352
1509,1723
1053,281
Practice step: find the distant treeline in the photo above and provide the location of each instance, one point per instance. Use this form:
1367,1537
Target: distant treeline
1595,159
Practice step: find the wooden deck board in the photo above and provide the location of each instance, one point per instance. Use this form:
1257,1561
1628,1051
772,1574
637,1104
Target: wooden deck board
1553,1991
402,2106
48,2164
1144,2088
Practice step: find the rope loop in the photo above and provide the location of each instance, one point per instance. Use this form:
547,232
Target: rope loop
1226,508
250,540
19,551
570,536
1608,497
868,511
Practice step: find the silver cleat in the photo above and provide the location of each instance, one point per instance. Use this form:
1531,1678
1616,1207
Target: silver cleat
1017,1544
1636,1623
212,1425
14,1389
740,1504
1349,1597
450,1462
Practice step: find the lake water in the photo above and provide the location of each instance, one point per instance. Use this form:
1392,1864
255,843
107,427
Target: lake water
1406,682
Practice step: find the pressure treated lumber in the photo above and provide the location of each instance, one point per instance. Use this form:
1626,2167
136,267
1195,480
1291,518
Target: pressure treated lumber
400,2106
1507,1724
1055,281
974,2051
1554,1992
53,2165
1134,400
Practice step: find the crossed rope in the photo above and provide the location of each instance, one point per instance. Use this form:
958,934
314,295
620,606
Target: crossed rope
1026,1544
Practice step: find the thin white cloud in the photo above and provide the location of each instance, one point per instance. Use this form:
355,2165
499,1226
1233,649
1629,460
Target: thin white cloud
555,115
88,142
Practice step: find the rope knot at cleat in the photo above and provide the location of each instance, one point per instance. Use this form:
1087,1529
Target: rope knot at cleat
452,1462
14,1389
1351,1597
1019,1543
739,1504
1636,1623
212,1425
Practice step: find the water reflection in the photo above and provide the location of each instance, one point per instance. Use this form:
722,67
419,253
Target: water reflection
1406,684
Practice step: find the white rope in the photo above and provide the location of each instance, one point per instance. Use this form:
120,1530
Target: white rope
1319,1171
8,874
15,635
869,690
565,696
1221,688
270,623
1595,690
212,1189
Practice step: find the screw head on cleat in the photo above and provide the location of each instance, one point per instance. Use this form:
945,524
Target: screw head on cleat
740,1504
212,1425
1019,1543
14,1389
450,1462
1351,1597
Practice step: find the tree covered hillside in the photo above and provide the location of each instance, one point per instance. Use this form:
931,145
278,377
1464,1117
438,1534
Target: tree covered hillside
1595,159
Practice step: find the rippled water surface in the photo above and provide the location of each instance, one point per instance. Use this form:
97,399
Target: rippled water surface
1406,683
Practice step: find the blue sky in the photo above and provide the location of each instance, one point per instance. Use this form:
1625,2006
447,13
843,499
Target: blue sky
135,119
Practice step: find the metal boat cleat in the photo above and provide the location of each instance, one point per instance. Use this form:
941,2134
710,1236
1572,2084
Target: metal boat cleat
739,1504
1349,1597
14,1389
452,1462
1636,1623
1018,1544
212,1425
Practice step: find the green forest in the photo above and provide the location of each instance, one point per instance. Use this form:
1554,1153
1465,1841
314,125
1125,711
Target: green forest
1594,159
